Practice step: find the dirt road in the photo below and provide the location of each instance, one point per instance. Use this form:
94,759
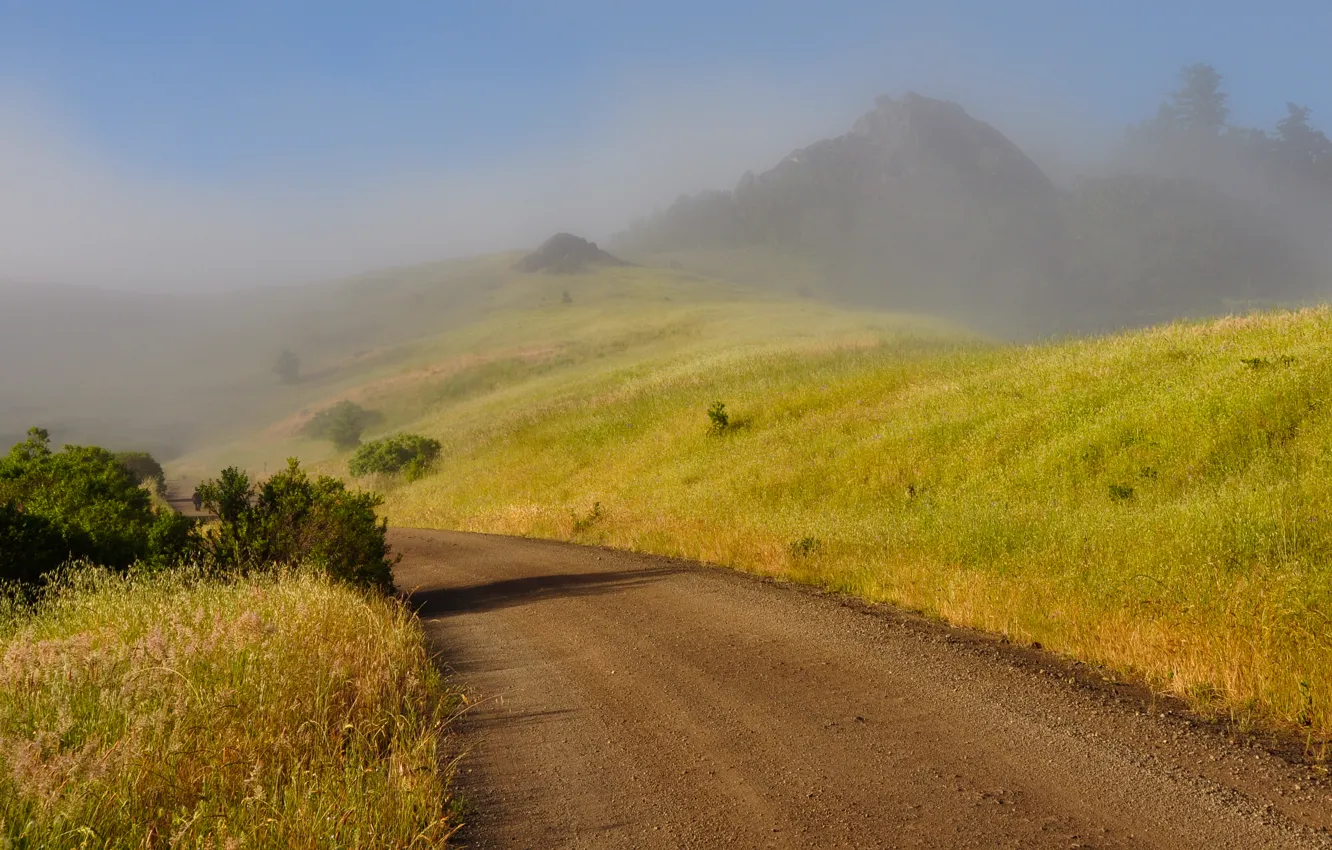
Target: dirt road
635,702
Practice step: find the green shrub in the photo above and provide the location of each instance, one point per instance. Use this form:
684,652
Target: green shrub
83,503
342,424
720,419
79,503
144,467
30,546
1121,492
391,455
291,520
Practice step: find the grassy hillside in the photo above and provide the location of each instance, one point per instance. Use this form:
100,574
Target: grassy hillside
1157,501
288,712
542,334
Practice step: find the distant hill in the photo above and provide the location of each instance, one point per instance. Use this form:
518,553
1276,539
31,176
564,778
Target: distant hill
923,207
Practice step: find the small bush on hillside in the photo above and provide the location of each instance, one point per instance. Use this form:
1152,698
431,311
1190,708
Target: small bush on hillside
291,519
287,367
1121,492
583,523
342,424
145,468
403,452
79,503
805,547
718,416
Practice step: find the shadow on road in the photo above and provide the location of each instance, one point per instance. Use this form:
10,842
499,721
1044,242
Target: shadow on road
443,601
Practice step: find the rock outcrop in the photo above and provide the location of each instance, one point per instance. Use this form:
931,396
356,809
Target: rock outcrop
565,253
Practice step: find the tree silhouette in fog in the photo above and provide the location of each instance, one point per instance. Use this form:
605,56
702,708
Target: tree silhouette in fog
1199,105
287,367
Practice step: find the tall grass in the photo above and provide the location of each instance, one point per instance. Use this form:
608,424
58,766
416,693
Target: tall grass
1159,502
281,712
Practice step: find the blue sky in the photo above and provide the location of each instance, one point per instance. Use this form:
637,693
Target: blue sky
217,105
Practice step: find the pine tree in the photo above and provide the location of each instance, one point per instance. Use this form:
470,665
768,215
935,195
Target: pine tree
1299,143
1199,105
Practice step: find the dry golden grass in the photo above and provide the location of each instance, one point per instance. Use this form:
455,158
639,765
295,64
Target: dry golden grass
285,712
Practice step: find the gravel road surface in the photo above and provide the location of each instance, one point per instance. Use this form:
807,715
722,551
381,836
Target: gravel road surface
627,701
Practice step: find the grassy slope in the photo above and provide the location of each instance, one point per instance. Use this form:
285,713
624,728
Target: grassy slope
283,713
523,336
1149,501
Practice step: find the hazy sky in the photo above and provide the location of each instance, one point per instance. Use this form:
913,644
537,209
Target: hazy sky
190,143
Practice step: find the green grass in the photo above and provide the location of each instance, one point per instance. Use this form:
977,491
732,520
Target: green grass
1157,502
285,712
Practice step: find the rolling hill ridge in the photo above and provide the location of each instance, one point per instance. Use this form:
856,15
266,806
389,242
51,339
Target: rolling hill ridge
922,207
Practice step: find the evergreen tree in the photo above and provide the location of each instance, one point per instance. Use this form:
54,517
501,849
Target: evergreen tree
1199,105
1299,144
1251,142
